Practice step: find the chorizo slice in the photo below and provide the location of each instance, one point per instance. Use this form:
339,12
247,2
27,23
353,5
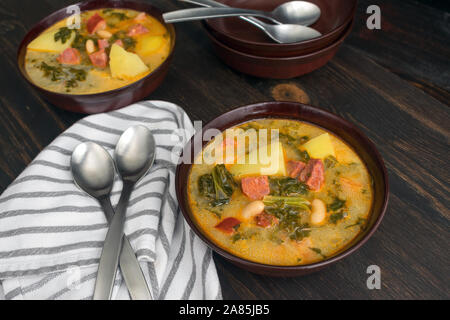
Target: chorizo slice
228,225
255,187
69,56
95,23
313,174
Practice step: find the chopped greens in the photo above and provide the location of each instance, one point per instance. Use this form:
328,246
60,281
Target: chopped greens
330,162
336,217
336,205
63,34
303,155
217,186
223,182
119,15
206,186
78,74
71,76
216,213
361,222
289,216
299,202
319,252
287,187
274,238
291,141
128,42
244,235
53,72
79,42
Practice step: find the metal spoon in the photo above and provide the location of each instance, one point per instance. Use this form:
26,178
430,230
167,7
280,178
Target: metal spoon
134,155
292,12
286,33
93,172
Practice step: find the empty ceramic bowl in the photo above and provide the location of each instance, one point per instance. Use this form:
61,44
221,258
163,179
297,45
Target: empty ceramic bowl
272,67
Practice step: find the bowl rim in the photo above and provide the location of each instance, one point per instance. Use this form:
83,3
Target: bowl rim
180,192
337,29
54,14
311,55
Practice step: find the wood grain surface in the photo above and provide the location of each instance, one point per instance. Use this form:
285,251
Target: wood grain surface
393,83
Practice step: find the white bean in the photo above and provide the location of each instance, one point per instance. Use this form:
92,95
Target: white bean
318,212
104,34
90,47
252,209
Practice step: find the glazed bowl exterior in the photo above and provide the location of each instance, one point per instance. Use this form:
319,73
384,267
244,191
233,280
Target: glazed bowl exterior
294,111
103,101
275,68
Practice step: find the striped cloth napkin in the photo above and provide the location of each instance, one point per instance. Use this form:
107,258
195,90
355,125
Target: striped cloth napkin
51,233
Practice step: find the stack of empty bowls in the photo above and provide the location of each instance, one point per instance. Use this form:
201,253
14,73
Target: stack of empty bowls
246,48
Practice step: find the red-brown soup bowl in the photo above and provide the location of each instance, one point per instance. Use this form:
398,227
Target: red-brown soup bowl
295,111
107,100
276,68
244,37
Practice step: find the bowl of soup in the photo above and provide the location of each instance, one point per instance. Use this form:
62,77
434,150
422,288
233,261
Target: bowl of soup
112,54
282,188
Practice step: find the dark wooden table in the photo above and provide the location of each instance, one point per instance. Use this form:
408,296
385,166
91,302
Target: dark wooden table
393,83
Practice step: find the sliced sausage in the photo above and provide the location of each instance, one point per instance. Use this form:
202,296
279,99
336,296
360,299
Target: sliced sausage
69,56
255,187
102,43
295,168
99,59
265,220
228,225
119,42
137,29
313,174
95,23
141,17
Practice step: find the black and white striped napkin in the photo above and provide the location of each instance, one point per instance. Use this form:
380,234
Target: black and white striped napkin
51,233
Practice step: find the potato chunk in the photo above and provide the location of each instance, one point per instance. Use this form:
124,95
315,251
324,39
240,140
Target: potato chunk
148,44
320,147
124,64
46,43
274,166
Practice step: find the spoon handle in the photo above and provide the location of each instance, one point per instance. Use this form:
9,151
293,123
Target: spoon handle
129,265
206,3
215,4
109,258
207,13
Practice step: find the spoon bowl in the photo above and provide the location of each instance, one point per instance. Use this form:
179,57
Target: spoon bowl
135,153
287,33
297,12
92,169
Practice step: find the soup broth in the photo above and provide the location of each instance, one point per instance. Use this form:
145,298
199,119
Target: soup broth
306,208
111,49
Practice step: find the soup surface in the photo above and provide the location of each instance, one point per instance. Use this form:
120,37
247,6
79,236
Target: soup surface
111,49
304,201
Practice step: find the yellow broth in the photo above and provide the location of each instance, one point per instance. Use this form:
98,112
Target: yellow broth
152,48
348,180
